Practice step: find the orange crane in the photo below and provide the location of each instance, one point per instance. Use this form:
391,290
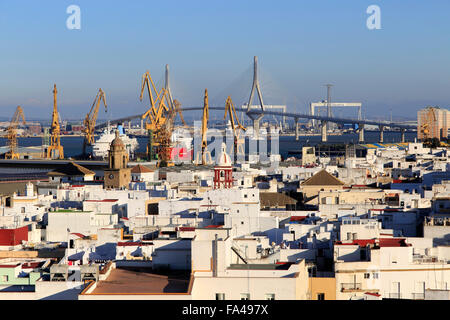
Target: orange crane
91,119
238,145
12,134
55,149
204,147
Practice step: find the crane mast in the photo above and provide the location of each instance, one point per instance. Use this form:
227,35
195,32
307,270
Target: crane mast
156,114
164,139
12,134
204,153
91,119
55,149
235,126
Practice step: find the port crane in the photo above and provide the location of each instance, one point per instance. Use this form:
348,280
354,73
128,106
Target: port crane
236,126
177,107
12,134
156,115
164,138
204,154
429,118
91,119
55,149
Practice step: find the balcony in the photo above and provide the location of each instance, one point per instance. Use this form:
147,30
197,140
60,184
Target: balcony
348,287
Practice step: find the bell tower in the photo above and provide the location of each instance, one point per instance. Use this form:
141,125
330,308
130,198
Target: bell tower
223,170
118,175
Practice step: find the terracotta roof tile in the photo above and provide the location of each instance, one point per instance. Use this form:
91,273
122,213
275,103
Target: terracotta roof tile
323,178
140,169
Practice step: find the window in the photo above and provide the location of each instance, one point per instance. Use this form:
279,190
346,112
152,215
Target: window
245,296
220,296
375,275
4,278
321,296
270,296
245,195
366,275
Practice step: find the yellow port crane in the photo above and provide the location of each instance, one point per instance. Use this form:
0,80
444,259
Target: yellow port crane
236,126
204,154
164,139
427,123
177,108
12,134
91,119
156,115
55,149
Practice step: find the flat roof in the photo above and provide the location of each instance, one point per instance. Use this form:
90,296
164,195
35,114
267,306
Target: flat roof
143,280
260,266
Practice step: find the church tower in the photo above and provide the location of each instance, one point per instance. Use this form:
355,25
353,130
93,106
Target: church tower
223,171
118,175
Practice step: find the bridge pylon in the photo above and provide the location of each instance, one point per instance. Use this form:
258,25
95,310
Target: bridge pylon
256,117
361,132
381,127
324,128
167,87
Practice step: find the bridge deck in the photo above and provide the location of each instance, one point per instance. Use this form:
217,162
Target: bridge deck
285,114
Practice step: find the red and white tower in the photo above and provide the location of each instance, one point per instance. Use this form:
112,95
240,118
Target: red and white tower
223,171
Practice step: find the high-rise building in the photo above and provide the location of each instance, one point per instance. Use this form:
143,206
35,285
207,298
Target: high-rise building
433,122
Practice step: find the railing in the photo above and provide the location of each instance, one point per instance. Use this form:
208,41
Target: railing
418,296
350,286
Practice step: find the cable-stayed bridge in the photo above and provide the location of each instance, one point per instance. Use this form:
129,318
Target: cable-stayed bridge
256,112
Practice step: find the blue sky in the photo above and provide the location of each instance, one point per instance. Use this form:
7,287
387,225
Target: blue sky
301,45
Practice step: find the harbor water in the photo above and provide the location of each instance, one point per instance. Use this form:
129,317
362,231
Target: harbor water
73,145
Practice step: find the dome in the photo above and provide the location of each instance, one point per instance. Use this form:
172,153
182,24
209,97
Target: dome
224,160
117,142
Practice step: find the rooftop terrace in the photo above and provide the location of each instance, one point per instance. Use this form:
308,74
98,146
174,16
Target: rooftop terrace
142,281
